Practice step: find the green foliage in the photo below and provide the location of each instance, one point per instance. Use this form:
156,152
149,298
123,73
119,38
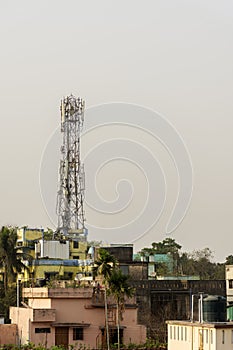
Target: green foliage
150,344
198,263
7,299
10,264
119,287
10,257
104,264
162,269
168,245
48,235
229,260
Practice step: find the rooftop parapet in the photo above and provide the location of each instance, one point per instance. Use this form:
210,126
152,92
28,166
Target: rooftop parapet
85,293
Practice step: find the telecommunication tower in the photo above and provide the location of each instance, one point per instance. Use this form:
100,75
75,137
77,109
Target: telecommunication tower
71,221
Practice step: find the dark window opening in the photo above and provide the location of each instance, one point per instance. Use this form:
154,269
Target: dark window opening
231,284
42,330
49,275
78,333
76,257
113,337
68,275
75,244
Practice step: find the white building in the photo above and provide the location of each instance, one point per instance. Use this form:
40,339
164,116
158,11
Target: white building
186,335
229,283
229,291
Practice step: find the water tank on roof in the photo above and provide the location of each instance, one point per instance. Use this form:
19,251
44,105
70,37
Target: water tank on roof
230,313
214,308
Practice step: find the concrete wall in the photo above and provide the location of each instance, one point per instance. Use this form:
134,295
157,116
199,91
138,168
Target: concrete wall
138,271
45,339
21,317
224,341
8,334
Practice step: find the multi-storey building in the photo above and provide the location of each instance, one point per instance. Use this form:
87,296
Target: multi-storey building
71,316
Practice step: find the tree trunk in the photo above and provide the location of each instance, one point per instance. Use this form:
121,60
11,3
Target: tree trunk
118,327
106,317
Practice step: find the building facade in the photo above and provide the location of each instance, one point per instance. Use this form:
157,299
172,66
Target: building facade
73,316
185,335
229,291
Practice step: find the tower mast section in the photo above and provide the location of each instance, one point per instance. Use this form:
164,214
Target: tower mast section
71,220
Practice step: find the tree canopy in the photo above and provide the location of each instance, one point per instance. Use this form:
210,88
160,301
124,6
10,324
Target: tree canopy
197,263
11,258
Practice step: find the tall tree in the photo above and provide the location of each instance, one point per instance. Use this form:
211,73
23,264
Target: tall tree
11,259
103,266
229,260
167,246
119,287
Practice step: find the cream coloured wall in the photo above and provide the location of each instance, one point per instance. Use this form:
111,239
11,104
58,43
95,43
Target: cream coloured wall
229,283
224,340
21,317
39,304
212,336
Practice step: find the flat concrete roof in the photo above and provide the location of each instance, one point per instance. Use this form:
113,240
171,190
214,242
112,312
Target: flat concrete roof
203,324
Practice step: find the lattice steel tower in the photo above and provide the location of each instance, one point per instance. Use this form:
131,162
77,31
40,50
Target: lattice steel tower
70,196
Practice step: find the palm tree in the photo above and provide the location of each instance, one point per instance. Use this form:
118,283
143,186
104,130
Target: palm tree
119,287
103,267
11,259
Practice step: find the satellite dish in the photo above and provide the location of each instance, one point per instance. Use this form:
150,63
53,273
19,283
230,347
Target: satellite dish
78,276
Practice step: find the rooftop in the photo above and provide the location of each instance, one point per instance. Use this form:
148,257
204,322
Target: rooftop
199,324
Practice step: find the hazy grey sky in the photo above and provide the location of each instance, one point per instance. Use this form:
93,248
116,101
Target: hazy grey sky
171,56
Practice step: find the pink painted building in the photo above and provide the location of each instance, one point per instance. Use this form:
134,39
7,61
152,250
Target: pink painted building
72,316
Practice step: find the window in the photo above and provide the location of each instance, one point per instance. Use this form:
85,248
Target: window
113,335
232,337
175,332
211,336
223,337
230,284
42,330
178,330
68,275
170,332
181,334
185,333
78,333
76,257
75,244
